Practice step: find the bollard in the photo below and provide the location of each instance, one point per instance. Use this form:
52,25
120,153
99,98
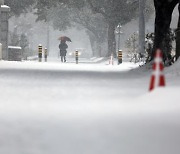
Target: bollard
40,52
76,56
45,54
119,57
157,77
111,61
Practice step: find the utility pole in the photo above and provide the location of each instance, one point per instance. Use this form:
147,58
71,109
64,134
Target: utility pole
142,26
48,39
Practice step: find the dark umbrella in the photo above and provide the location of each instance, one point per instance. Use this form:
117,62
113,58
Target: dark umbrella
64,38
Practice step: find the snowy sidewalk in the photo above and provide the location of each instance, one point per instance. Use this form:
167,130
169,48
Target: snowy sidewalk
52,108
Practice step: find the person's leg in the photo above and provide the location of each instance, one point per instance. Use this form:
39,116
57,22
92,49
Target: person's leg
61,58
64,58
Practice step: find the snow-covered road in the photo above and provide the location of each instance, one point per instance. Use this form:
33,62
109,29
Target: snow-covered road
57,82
52,108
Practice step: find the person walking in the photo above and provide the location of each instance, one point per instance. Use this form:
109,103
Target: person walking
63,46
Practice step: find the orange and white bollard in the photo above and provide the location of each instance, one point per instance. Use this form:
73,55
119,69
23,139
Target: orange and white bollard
119,57
40,52
157,78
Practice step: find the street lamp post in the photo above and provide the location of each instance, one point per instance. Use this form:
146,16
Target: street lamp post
119,35
119,53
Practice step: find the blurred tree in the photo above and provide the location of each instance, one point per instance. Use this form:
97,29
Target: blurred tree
95,26
114,12
19,6
132,46
100,23
164,10
14,37
63,17
24,43
132,43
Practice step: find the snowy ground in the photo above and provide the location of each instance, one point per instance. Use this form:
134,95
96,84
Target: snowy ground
54,108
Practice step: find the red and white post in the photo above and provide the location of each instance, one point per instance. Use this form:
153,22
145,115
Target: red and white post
157,78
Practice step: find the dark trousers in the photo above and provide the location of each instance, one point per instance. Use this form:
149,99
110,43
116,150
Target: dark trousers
63,58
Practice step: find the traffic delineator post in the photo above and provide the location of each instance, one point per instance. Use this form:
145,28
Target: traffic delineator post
111,61
157,77
76,56
119,57
40,52
45,54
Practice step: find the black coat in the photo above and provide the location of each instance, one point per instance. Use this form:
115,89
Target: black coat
63,46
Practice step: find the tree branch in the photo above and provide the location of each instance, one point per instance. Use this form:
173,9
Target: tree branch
96,9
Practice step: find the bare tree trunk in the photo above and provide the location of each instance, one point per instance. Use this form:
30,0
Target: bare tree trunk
111,40
164,11
0,24
141,26
93,44
1,3
178,37
99,48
